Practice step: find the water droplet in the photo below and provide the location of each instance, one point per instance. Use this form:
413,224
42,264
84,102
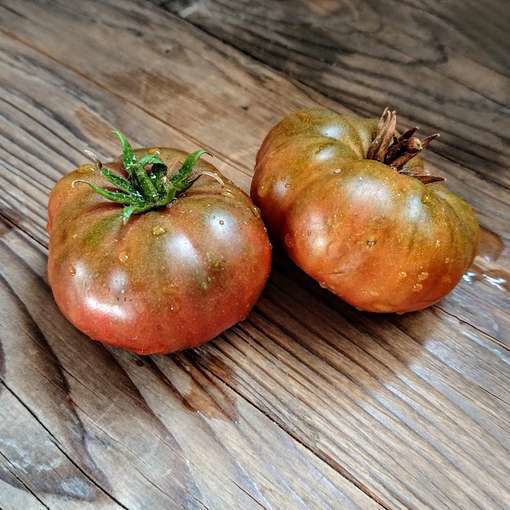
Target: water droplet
417,287
288,240
323,285
447,260
402,274
423,276
371,242
256,211
74,236
72,270
438,243
221,222
123,256
158,230
337,171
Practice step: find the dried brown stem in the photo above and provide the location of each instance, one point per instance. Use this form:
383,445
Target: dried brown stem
396,152
384,137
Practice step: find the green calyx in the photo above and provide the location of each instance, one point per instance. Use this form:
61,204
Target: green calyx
143,190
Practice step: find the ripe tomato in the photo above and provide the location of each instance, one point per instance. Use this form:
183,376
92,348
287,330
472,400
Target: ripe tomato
358,214
154,280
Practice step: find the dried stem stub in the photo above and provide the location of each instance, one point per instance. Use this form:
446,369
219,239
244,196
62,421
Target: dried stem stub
395,151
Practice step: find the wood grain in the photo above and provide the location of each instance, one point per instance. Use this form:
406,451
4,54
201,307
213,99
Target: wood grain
443,65
105,426
308,403
203,98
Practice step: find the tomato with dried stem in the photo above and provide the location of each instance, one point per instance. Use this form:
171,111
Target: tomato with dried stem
156,252
356,210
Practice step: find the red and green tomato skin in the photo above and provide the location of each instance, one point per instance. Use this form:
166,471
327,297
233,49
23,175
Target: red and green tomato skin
170,279
380,240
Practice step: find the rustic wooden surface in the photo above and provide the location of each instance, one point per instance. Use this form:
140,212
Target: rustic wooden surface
308,403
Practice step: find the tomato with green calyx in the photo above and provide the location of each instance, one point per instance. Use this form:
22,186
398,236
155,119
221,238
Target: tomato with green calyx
155,253
356,210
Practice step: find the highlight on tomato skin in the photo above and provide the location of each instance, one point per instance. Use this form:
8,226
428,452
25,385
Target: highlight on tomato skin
355,208
156,252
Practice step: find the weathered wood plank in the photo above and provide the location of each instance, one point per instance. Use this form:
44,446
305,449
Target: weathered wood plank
198,87
193,81
441,64
145,435
408,408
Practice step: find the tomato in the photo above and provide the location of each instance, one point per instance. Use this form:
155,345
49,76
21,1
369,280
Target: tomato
356,210
162,279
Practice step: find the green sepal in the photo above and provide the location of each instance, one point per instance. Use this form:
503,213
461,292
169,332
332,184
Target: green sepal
144,190
179,182
117,180
128,154
114,196
180,178
145,183
156,175
127,212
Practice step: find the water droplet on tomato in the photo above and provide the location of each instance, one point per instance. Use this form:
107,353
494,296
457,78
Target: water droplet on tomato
423,276
371,242
72,270
417,287
123,256
447,260
337,171
402,274
158,230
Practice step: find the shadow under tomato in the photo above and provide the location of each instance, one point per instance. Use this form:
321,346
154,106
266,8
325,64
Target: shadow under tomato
367,345
198,378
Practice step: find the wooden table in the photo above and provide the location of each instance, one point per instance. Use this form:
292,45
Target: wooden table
308,404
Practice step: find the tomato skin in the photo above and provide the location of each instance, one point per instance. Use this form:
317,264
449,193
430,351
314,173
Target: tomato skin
171,278
380,240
